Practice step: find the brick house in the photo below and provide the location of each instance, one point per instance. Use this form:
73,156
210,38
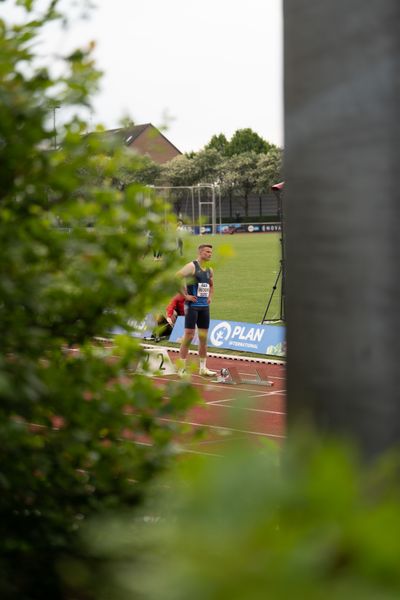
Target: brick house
145,139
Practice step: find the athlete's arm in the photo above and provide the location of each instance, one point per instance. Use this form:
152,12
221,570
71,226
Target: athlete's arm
186,271
211,286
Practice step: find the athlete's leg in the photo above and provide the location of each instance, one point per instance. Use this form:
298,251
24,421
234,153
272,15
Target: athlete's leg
186,341
190,328
203,343
184,351
203,354
203,323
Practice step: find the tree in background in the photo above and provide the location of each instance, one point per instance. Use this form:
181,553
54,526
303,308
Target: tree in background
219,143
207,164
269,171
212,163
247,140
242,171
69,415
270,167
141,170
227,181
241,166
181,170
243,140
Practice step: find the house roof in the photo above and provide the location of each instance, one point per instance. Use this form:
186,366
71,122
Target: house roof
131,133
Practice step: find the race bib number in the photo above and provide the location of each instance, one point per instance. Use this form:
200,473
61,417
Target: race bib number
203,290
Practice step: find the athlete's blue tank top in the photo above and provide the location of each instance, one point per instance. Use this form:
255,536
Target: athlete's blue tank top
199,286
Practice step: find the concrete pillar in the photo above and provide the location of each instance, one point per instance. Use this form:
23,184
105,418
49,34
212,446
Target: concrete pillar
342,217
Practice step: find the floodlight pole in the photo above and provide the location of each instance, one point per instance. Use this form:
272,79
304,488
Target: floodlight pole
278,189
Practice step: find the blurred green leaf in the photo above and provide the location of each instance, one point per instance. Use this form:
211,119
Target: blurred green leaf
73,419
308,521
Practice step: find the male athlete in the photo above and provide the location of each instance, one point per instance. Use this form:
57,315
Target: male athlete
198,293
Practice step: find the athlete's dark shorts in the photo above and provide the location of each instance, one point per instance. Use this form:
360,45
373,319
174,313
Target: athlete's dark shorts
197,316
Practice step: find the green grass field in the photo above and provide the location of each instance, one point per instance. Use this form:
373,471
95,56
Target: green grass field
245,269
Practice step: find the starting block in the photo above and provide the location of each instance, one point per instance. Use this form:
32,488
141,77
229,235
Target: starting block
231,376
263,376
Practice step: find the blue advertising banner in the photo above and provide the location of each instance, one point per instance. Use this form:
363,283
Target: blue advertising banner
230,228
233,335
141,329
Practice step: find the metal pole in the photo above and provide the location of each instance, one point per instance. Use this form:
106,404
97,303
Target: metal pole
220,209
193,217
199,202
213,212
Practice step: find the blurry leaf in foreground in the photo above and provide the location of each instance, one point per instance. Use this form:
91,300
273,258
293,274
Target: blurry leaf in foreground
248,526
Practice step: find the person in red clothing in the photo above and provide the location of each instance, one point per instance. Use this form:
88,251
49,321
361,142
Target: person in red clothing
165,324
176,308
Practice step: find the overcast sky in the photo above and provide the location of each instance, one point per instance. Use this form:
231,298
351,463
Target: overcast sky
202,67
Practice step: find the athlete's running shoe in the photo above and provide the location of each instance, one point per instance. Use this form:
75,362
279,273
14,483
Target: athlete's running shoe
207,372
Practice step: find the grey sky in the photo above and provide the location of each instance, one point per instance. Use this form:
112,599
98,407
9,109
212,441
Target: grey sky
201,66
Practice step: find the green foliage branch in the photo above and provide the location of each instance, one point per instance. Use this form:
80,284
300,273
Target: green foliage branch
71,414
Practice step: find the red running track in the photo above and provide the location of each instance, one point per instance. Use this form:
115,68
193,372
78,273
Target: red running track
236,412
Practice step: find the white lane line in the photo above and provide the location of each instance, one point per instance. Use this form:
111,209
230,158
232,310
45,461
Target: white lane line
222,428
183,450
260,410
236,400
248,397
